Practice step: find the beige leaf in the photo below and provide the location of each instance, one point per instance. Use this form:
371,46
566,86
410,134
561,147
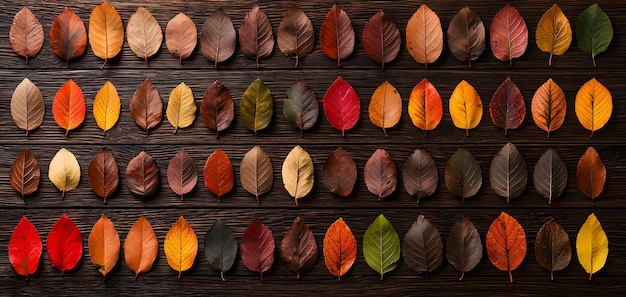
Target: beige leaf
27,106
144,34
181,108
298,173
181,36
424,36
64,171
256,172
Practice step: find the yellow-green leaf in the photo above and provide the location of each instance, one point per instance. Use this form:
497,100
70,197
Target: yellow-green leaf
64,171
592,245
554,32
466,107
181,108
385,106
593,105
298,173
106,107
181,246
257,106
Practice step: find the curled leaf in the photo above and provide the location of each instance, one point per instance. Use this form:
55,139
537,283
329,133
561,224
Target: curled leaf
295,34
381,39
339,173
508,34
425,106
337,35
146,106
181,36
419,175
380,174
181,107
506,243
103,174
180,246
339,248
508,173
550,176
381,246
144,34
181,173
422,248
220,247
26,34
463,175
68,106
25,174
593,105
466,36
301,108
64,171
140,247
591,174
464,249
385,107
257,247
298,248
466,108
553,249
25,248
218,174
142,175
218,39
104,245
507,107
68,36
554,33
424,36
27,106
342,106
592,245
257,106
297,173
549,106
106,31
594,31
256,37
256,172
64,245
106,107
217,108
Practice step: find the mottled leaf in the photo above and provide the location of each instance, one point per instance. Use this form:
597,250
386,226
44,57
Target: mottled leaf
506,243
507,107
380,174
301,108
553,249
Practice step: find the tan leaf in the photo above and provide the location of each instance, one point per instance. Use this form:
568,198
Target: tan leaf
181,36
27,106
298,173
144,34
424,36
256,172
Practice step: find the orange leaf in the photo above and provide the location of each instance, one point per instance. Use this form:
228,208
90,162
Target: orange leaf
106,32
506,243
591,174
218,174
385,107
339,248
26,34
424,36
549,106
140,247
104,245
425,106
68,106
593,105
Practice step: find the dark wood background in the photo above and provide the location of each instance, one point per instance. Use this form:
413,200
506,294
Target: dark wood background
277,209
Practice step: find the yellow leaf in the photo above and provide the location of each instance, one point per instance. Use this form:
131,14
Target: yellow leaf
106,31
466,107
181,108
593,105
104,245
298,173
106,107
140,247
592,245
144,34
64,171
554,33
181,246
424,36
385,106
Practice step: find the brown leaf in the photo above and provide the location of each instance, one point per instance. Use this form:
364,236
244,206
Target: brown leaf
27,106
550,175
298,248
507,107
508,173
181,173
337,34
217,108
181,36
218,39
26,34
380,174
103,174
466,36
142,175
419,175
68,36
591,174
256,172
381,39
463,175
146,106
339,173
25,174
256,37
295,34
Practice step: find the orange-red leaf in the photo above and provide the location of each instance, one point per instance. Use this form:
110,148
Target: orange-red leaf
339,248
337,34
25,248
68,36
68,106
26,34
425,106
591,174
218,174
506,243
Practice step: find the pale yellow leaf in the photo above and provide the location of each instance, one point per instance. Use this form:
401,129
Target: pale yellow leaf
144,34
64,171
298,173
592,245
106,107
181,246
181,108
27,106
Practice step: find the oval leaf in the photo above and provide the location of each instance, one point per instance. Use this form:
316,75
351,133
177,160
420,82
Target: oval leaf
506,243
549,107
507,107
144,34
301,108
106,31
508,34
103,174
142,175
256,172
64,171
422,248
146,106
218,39
25,174
385,107
424,36
68,106
553,249
297,173
218,174
342,106
592,245
419,175
380,173
104,245
181,173
464,249
554,33
550,176
140,247
68,36
463,175
257,106
381,39
381,246
594,31
466,36
25,248
339,173
593,105
508,173
337,35
106,107
27,106
295,34
257,247
425,106
64,245
26,34
180,246
220,247
181,107
181,36
466,108
591,174
298,248
217,108
256,37
339,248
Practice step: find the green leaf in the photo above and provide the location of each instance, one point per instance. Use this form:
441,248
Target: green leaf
381,246
301,108
594,31
220,247
423,248
257,106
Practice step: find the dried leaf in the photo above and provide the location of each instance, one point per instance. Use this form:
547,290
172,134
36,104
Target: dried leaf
339,173
380,174
592,245
466,108
218,39
507,107
550,176
218,174
593,105
298,248
142,175
257,247
594,31
181,36
64,245
220,247
181,173
424,36
381,39
146,106
506,243
463,175
423,248
508,34
554,33
144,34
106,32
103,174
301,108
297,173
140,247
256,172
256,37
549,107
27,106
64,171
217,108
553,249
25,174
337,35
591,174
464,249
342,106
385,107
508,173
295,34
419,175
180,246
26,34
68,36
104,245
257,106
68,106
25,248
381,246
466,36
339,248
425,106
106,107
181,107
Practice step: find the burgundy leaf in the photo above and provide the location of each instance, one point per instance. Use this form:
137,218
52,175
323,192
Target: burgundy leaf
217,108
339,173
257,247
381,39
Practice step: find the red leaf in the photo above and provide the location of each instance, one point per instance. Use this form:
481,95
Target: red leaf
257,247
381,39
337,35
25,248
218,173
507,107
64,245
342,106
509,34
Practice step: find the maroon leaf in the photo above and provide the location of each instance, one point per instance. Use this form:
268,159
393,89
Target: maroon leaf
257,247
181,173
256,37
142,175
337,35
339,173
380,174
507,107
342,106
25,174
103,174
217,108
381,39
298,248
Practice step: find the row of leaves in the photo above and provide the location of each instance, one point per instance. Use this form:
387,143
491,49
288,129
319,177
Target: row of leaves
295,35
422,248
508,174
342,107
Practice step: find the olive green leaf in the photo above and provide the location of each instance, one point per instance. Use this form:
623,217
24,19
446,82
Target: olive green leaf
257,106
594,31
381,246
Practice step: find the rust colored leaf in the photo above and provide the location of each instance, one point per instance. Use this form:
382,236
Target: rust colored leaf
68,106
27,106
68,36
424,36
181,36
257,247
218,174
103,174
380,174
298,248
217,108
339,173
295,34
381,39
425,106
508,34
218,39
549,107
553,249
506,243
25,174
142,175
146,106
181,173
466,36
591,174
104,245
463,175
339,248
256,37
26,34
256,172
420,175
507,107
25,248
337,35
342,106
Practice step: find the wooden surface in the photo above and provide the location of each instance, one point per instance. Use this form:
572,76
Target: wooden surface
277,209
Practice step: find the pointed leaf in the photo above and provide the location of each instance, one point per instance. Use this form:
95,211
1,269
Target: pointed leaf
339,248
217,108
68,106
425,106
419,175
257,247
140,247
337,35
508,34
339,173
594,31
106,107
381,39
25,248
424,36
298,248
64,245
423,248
549,106
380,174
142,175
68,36
106,31
181,107
256,172
466,108
218,39
26,34
464,249
506,243
592,245
301,108
341,105
181,36
144,34
593,105
550,176
220,247
27,106
180,246
554,33
218,174
257,106
146,106
385,107
295,34
553,249
297,173
103,174
25,174
381,246
508,173
507,107
181,173
591,174
104,245
64,171
463,175
466,36
256,37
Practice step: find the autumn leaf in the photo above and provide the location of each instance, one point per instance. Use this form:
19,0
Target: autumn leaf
26,34
64,171
422,248
464,249
217,108
550,176
181,107
301,108
295,34
337,35
507,107
106,107
298,248
220,247
181,173
591,174
218,38
68,36
339,173
592,245
425,106
380,174
506,243
64,245
381,39
256,37
180,246
341,105
140,247
25,248
27,106
508,34
218,174
466,108
381,246
181,36
549,106
144,34
103,174
146,106
297,173
508,173
466,36
25,174
553,249
594,31
419,175
593,105
257,106
256,172
142,175
339,248
68,106
257,247
385,107
424,36
463,175
104,245
554,33
106,32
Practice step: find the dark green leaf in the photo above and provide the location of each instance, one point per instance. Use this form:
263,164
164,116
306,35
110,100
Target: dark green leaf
553,249
463,175
381,246
257,106
220,247
593,31
508,173
301,108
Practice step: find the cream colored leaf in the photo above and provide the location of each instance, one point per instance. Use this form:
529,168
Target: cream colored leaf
181,108
144,34
298,173
64,171
106,107
27,106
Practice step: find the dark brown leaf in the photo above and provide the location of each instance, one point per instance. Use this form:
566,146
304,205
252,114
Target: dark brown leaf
550,176
25,174
339,173
466,36
420,175
256,37
463,175
26,34
217,108
181,173
422,248
218,39
508,173
298,248
146,106
337,34
381,39
553,249
295,34
507,107
103,174
464,249
380,174
142,175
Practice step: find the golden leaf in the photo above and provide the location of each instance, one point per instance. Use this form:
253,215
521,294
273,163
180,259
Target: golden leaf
385,107
554,33
593,105
466,108
106,107
592,245
106,31
181,246
181,107
298,173
64,171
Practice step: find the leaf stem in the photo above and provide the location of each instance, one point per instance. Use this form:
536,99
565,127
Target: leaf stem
222,276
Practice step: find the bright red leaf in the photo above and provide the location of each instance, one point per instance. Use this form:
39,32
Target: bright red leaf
64,244
25,248
342,106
